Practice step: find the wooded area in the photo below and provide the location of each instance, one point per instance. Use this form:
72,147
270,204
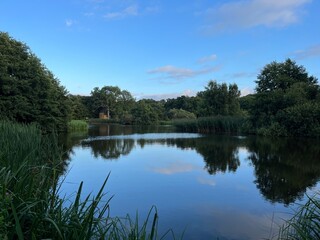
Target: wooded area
286,102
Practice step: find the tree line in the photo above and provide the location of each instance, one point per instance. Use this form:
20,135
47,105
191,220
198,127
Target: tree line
286,101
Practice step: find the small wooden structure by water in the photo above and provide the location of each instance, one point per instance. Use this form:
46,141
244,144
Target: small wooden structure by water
104,113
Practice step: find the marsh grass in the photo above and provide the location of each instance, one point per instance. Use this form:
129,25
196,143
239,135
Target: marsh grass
30,204
305,224
101,121
77,125
216,124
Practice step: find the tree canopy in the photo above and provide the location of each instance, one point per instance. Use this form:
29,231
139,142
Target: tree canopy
287,101
281,76
29,92
220,99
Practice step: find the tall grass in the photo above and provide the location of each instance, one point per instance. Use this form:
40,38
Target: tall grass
305,224
77,125
30,205
216,124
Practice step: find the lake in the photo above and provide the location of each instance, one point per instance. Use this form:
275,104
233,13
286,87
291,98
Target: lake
205,186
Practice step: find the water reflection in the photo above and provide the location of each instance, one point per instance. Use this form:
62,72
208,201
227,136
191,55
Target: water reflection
220,153
283,168
110,149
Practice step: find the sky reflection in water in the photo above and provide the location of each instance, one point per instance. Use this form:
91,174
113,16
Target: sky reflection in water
212,186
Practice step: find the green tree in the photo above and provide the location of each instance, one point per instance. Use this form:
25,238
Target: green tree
105,98
281,76
78,109
29,92
126,103
116,102
180,114
285,94
220,99
190,104
146,112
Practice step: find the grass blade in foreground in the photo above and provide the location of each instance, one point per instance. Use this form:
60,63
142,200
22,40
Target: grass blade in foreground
30,205
305,224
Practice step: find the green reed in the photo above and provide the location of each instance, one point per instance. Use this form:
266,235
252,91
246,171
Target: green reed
216,124
305,224
30,204
77,125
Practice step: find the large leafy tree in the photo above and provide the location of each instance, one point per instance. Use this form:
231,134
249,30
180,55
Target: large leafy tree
29,92
287,100
190,104
116,102
281,76
220,99
147,111
78,110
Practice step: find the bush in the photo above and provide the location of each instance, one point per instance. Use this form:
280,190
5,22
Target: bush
180,114
77,125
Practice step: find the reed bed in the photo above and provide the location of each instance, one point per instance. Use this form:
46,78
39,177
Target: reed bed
30,204
216,124
77,125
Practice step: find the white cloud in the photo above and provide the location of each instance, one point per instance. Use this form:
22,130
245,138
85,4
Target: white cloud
176,167
69,22
206,59
128,11
312,51
176,73
252,13
206,181
246,91
161,96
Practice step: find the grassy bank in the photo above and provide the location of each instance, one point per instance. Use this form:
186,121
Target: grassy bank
217,124
30,205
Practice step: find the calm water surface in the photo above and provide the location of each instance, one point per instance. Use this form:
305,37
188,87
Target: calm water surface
211,187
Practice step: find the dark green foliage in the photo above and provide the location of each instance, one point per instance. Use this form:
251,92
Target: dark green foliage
114,102
219,99
78,107
287,101
190,104
247,102
77,125
30,204
180,114
29,92
275,76
104,100
147,112
218,124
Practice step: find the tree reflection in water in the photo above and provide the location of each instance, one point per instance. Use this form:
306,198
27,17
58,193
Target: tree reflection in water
110,149
284,168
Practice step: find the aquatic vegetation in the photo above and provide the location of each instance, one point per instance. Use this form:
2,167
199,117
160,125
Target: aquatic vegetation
216,124
77,125
305,224
30,203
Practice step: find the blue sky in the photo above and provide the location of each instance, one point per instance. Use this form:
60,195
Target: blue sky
163,49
